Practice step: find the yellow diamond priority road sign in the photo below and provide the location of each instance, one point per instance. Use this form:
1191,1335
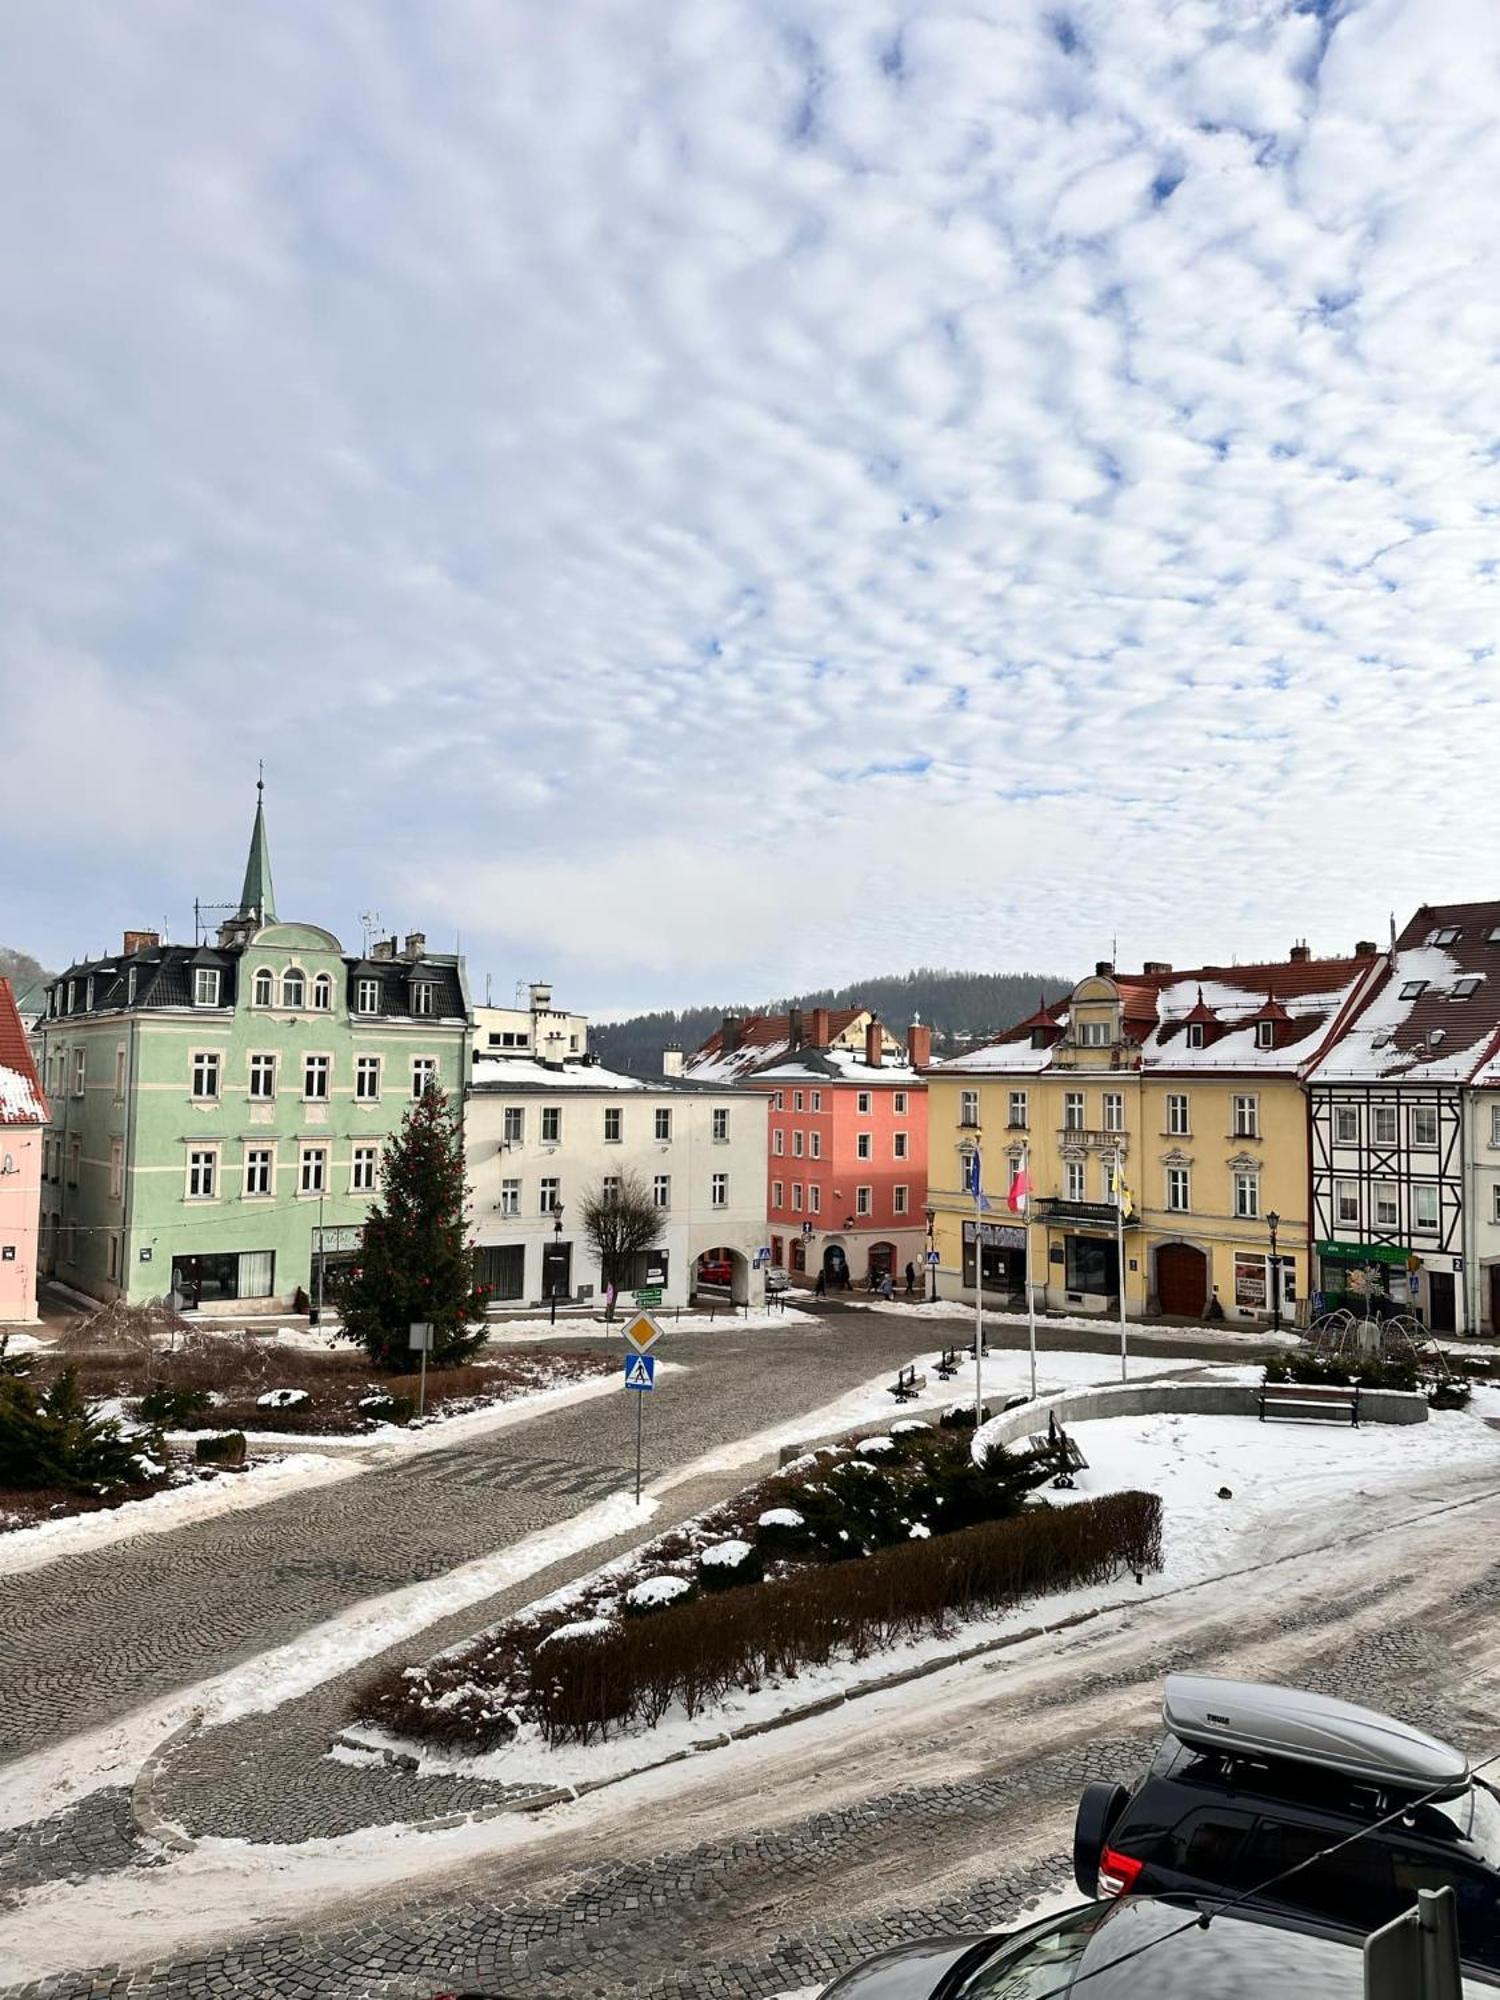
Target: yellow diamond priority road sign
641,1332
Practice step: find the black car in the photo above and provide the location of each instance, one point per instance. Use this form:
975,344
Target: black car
1266,1781
1146,1948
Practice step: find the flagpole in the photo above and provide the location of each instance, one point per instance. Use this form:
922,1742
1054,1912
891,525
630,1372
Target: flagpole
1120,1257
1030,1288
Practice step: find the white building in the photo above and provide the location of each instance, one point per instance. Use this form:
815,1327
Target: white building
538,1029
539,1137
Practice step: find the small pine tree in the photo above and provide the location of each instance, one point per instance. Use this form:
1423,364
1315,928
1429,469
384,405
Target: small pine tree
416,1263
59,1439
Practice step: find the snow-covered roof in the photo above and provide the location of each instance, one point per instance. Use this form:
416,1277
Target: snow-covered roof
22,1099
838,1066
500,1073
1303,998
1436,1014
759,1040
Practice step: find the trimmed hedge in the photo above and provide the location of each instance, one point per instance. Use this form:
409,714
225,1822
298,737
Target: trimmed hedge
226,1449
695,1654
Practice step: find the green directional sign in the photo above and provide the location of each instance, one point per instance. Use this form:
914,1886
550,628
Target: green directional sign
650,1296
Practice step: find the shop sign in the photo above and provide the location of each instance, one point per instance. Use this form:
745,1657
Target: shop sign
997,1235
1250,1283
1365,1253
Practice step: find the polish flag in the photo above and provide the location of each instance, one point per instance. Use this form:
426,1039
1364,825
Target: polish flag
1020,1191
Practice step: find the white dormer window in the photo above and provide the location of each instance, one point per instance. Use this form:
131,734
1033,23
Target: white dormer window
130,987
367,996
1265,1034
322,993
1094,1034
421,997
88,994
293,989
205,986
1195,1035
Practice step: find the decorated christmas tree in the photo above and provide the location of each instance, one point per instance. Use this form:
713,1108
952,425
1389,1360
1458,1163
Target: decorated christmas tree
416,1264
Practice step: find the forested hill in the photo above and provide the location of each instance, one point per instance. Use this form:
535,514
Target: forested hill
970,1005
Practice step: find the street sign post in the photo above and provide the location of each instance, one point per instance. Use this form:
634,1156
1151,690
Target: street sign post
934,1258
640,1374
648,1295
642,1332
419,1337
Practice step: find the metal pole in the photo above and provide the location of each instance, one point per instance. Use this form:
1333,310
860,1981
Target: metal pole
322,1254
422,1388
1120,1258
978,1307
1030,1289
1275,1284
639,1400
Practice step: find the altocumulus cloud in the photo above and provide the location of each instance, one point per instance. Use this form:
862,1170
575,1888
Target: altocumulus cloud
716,494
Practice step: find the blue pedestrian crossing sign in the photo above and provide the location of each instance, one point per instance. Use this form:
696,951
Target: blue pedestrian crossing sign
640,1371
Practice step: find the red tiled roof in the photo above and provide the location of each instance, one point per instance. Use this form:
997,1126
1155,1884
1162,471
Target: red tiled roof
22,1102
769,1031
1440,1029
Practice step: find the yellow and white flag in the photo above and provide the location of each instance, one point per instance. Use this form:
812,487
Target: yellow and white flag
1123,1199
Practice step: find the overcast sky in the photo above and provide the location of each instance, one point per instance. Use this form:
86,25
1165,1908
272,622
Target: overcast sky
707,497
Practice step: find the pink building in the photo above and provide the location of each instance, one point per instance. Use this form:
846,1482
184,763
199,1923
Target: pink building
846,1191
23,1114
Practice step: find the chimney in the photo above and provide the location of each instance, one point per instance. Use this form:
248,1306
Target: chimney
1299,953
1104,968
794,1028
874,1043
1155,965
416,944
1366,948
671,1060
729,1033
919,1045
141,941
822,1027
383,948
541,996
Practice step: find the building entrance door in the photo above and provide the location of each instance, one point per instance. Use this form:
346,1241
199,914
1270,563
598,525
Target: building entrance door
1181,1280
1440,1302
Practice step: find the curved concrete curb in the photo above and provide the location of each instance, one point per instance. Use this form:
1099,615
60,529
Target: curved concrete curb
148,1823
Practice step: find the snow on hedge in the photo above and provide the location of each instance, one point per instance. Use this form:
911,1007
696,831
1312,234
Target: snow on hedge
581,1628
909,1424
875,1446
656,1590
726,1555
780,1517
281,1399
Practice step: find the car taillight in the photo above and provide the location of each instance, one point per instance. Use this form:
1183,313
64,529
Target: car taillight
1117,1872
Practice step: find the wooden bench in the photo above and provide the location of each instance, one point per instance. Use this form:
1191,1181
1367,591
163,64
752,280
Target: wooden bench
1062,1449
906,1385
1309,1402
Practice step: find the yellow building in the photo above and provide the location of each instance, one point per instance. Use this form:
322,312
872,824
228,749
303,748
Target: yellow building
1190,1084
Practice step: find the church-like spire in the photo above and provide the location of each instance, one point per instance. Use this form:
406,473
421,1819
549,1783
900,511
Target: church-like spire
258,898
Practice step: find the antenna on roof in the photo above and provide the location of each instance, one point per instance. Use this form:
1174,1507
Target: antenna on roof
369,923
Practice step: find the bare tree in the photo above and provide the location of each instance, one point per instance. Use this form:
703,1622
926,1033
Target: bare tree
620,1220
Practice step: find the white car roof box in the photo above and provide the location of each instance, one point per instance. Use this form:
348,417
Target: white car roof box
1254,1719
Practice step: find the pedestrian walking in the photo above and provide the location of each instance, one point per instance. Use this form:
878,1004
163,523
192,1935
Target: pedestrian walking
887,1285
911,1278
820,1289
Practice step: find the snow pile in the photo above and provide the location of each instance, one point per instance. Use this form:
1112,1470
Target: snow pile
726,1555
876,1445
581,1628
281,1399
920,1532
656,1591
780,1517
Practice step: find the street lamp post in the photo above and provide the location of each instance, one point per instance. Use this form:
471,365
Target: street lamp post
1273,1223
557,1222
931,1266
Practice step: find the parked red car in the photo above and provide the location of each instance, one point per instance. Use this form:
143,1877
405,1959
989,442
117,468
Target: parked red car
715,1271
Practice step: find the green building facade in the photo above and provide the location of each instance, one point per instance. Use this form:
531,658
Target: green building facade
219,1109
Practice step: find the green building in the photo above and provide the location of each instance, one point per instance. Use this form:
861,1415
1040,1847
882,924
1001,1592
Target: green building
219,1109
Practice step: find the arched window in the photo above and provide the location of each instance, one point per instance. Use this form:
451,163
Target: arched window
322,992
293,988
265,987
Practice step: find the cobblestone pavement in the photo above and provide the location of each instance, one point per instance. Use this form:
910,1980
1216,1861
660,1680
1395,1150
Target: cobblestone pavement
783,1906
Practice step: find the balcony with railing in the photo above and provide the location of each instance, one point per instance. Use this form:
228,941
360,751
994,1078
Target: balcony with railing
1095,1138
1060,1212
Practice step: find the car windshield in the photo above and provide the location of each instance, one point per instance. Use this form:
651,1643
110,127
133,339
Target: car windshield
1025,1967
